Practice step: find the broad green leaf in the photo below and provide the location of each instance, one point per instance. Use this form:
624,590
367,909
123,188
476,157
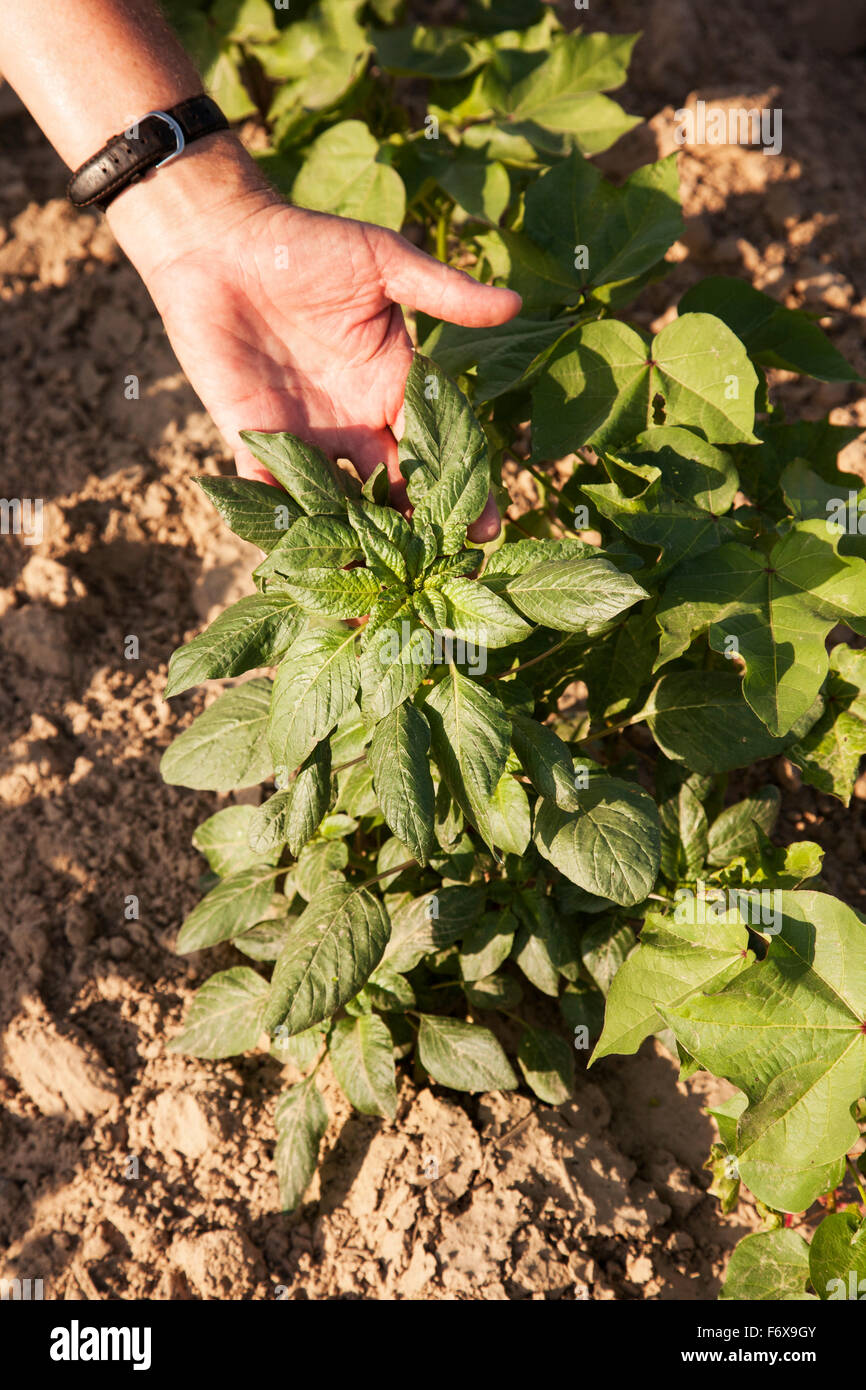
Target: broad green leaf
534,953
432,922
301,1120
477,615
517,557
344,173
815,440
334,947
336,826
357,797
333,593
376,487
292,815
837,1257
546,945
350,737
526,23
673,961
225,1016
362,1055
602,385
807,495
700,718
582,1007
401,778
396,654
830,753
223,839
311,542
389,991
463,1056
321,55
610,846
684,833
257,512
556,103
255,631
733,832
266,939
545,759
416,51
692,471
726,1114
619,670
508,816
478,184
315,686
789,1032
244,21
547,1062
487,945
470,740
225,748
679,529
601,233
572,595
300,1051
774,336
304,471
431,608
386,540
604,950
501,356
222,80
542,282
493,992
768,1266
778,609
236,903
443,454
320,865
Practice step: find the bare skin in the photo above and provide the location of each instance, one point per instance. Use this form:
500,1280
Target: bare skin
281,318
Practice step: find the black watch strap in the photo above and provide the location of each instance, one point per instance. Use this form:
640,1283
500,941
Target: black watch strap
153,140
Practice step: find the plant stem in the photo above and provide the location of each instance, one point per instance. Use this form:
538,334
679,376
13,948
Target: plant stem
442,223
611,729
351,763
543,657
397,869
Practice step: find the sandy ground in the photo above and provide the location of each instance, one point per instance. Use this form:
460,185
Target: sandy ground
127,1172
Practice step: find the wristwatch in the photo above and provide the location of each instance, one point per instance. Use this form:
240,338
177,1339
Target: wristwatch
153,140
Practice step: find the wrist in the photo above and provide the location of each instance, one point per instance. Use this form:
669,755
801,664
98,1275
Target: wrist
189,202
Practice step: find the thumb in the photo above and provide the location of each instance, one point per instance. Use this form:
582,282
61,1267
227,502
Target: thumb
409,276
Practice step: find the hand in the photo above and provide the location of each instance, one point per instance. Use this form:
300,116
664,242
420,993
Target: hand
285,319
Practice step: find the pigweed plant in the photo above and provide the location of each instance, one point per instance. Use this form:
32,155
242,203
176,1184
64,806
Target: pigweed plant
444,844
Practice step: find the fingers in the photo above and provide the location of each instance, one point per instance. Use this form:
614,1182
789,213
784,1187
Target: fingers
488,525
411,277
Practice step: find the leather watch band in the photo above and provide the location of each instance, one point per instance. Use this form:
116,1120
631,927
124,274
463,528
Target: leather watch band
158,137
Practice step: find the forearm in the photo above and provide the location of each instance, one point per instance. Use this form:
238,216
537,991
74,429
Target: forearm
86,70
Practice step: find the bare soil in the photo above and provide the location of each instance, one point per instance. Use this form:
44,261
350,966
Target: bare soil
128,1172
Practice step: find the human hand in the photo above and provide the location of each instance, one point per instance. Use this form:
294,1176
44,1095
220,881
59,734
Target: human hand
285,319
